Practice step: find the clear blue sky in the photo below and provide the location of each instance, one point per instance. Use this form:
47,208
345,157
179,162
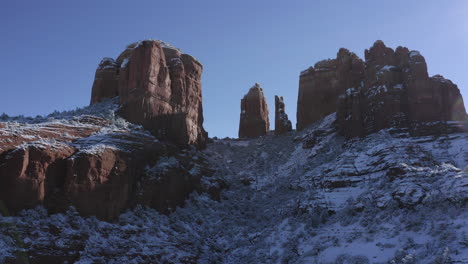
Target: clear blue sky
50,49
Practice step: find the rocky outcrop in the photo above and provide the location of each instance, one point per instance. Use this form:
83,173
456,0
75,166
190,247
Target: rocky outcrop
30,172
397,92
254,120
91,164
166,185
106,81
320,86
390,89
33,158
159,88
282,123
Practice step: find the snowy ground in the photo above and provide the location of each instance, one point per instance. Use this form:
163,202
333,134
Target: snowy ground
379,199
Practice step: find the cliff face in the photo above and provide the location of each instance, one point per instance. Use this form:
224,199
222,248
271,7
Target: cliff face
159,88
390,89
98,164
320,86
254,120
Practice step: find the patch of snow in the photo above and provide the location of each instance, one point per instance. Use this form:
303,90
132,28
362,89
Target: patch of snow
414,53
124,63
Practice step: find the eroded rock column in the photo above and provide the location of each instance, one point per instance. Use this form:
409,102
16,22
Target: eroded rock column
254,120
282,123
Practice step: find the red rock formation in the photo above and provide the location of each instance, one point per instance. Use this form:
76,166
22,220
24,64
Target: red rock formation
29,172
282,123
159,88
106,80
397,92
63,163
169,183
254,120
98,183
391,89
12,135
320,86
33,158
101,178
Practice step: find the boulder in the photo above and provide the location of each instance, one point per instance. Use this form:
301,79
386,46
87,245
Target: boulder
254,120
282,123
159,87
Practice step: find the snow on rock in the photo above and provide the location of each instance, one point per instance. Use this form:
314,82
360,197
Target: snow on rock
414,53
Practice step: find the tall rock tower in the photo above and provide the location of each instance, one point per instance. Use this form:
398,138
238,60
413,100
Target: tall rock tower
282,123
254,120
159,88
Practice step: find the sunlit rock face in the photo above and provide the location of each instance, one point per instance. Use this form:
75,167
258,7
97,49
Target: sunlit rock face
391,88
159,88
254,120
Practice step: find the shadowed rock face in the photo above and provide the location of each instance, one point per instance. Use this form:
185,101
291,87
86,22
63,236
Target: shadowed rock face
282,123
390,89
320,86
397,92
159,88
254,120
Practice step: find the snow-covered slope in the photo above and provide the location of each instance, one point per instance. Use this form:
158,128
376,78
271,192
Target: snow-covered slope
303,197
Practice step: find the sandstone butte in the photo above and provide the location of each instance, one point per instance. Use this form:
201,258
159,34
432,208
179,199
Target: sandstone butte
159,87
391,88
254,120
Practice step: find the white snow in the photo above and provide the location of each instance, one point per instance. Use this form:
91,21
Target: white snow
387,68
414,53
124,63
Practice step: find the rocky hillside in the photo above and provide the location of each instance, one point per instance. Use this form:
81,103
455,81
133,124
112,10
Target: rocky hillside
94,160
302,197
